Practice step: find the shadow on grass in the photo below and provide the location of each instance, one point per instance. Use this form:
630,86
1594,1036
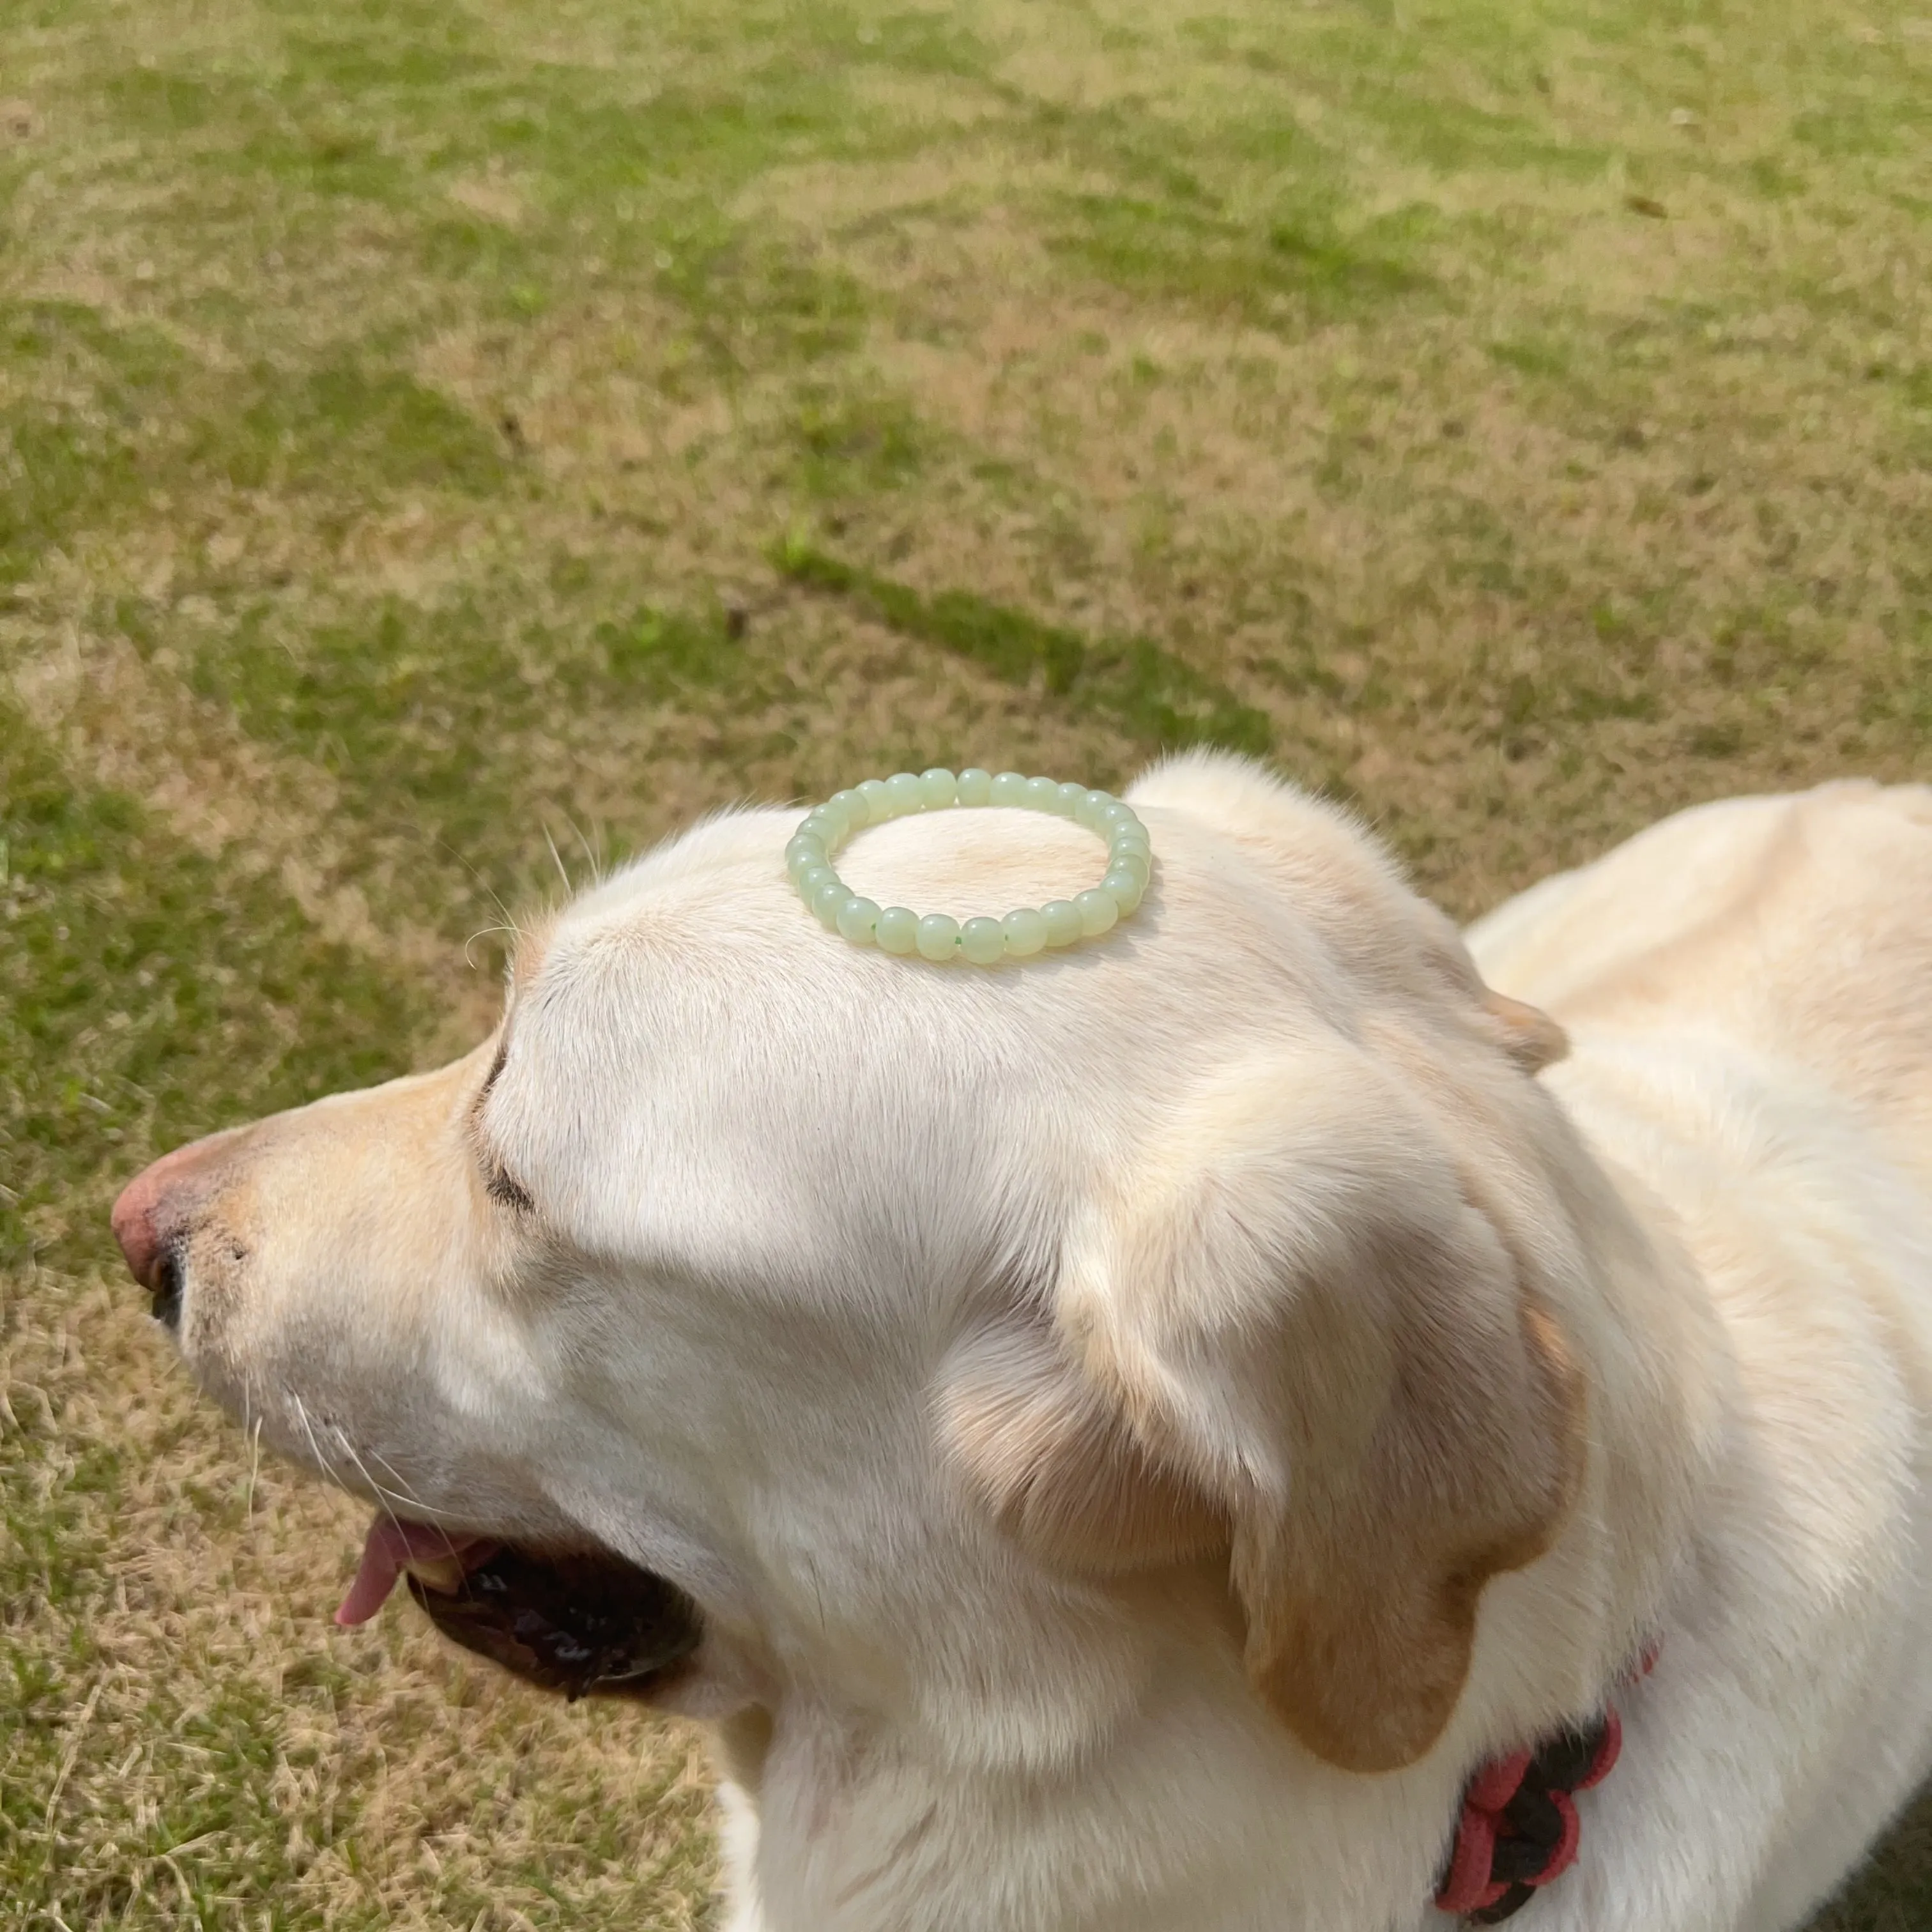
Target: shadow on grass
1145,689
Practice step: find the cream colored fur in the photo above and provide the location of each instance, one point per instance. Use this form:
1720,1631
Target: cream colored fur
1141,1426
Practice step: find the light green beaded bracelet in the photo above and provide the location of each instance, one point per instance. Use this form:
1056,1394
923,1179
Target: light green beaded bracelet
985,942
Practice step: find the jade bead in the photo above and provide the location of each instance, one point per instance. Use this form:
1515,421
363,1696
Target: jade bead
852,803
1136,862
1133,835
812,878
1061,918
937,787
975,786
1110,816
1087,812
1025,929
802,852
826,900
827,825
1098,911
1070,796
858,919
902,789
1123,889
1042,795
983,941
897,930
1008,788
939,936
878,806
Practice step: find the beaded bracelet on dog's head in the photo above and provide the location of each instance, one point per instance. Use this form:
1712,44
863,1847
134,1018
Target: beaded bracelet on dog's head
985,942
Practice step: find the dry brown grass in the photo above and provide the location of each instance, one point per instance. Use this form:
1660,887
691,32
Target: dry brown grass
216,1694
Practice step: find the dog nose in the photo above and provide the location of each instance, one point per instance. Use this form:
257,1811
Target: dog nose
132,1221
147,1221
151,1260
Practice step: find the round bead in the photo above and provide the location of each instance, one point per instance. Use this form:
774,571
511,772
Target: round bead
938,936
1112,818
1070,796
902,790
1098,911
1063,922
828,898
983,941
1025,929
1133,862
975,786
827,825
1008,788
852,803
1087,812
1123,888
937,787
801,853
1133,835
1042,795
897,930
811,878
878,806
858,919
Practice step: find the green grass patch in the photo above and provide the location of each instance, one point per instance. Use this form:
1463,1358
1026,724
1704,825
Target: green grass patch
380,423
443,725
1271,274
72,433
101,417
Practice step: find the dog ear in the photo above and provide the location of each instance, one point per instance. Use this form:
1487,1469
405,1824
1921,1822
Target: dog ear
1527,1034
1299,1320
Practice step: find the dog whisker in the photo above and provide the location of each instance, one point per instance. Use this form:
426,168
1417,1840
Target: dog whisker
324,1463
483,932
383,1501
408,1495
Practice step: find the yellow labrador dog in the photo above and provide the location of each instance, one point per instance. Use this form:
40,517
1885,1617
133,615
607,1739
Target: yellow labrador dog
1199,1433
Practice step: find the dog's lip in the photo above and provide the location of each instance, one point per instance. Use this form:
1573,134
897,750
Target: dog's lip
438,1556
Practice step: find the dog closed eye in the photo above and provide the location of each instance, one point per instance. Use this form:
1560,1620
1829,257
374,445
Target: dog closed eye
500,1188
497,1181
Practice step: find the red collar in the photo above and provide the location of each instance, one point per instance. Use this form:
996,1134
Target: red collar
1519,1827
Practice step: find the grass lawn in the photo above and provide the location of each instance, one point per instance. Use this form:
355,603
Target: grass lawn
430,432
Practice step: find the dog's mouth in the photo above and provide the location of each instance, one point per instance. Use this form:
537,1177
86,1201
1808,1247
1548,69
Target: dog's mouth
583,1622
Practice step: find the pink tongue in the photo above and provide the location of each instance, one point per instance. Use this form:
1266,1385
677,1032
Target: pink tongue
389,1547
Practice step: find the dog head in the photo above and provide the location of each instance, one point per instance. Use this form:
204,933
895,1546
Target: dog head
853,1295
